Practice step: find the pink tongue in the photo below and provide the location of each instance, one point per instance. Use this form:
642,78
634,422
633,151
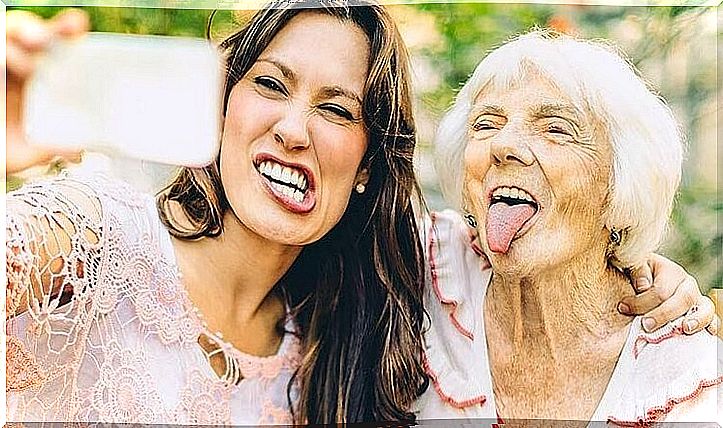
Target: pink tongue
503,222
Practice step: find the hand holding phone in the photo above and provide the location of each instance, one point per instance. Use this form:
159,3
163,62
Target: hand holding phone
27,38
146,97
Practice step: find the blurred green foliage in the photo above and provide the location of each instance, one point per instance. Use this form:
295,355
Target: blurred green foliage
665,43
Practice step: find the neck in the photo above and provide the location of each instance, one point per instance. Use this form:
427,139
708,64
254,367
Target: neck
555,336
550,311
230,277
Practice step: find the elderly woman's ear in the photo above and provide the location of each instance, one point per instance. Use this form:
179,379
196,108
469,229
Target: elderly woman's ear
665,291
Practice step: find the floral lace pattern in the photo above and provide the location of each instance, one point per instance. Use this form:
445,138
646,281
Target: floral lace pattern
99,327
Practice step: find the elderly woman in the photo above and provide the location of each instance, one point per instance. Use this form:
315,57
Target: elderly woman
570,170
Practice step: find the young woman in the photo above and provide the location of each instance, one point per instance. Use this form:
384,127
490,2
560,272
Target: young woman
294,255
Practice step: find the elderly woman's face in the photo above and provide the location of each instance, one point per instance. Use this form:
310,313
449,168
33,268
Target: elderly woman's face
536,176
293,134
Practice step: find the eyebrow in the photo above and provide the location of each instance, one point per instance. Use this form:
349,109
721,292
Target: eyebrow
327,91
338,91
557,109
286,71
489,109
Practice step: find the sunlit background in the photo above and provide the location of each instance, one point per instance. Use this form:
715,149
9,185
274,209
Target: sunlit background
675,49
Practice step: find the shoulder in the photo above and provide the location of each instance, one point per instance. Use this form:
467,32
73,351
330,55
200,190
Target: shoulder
86,193
670,376
455,350
457,271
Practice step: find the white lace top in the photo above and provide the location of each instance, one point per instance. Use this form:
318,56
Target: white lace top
99,327
662,376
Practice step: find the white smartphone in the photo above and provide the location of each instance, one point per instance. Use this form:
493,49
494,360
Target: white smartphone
146,97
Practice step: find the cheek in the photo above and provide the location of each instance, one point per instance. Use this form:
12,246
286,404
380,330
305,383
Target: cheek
247,112
579,181
339,152
476,161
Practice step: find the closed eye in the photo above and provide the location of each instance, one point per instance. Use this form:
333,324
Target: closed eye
560,129
271,84
338,110
483,125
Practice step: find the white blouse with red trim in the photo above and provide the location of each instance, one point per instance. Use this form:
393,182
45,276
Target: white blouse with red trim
663,376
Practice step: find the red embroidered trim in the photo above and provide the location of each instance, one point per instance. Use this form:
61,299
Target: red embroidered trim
643,340
654,414
446,398
435,285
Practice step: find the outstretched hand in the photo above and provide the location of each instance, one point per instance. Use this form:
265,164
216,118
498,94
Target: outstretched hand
27,39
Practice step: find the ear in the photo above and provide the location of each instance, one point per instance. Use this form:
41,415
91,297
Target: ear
362,177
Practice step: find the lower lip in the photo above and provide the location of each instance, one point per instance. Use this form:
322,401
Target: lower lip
289,203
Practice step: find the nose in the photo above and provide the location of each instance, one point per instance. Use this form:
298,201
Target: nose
292,130
511,146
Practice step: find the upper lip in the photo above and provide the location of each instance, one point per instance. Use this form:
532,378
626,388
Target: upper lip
262,157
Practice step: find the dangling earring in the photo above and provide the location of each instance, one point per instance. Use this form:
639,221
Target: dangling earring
616,236
360,188
471,220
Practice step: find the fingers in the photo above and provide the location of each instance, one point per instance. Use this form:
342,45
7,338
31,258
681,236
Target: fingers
642,278
714,327
27,30
674,307
699,316
70,23
659,292
27,36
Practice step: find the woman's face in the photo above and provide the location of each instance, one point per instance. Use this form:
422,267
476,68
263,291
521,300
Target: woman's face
536,176
293,135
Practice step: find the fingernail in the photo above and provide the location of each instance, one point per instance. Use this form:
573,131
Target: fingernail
648,324
623,308
690,325
642,284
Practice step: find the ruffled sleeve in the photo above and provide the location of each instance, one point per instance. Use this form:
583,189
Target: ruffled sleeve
455,347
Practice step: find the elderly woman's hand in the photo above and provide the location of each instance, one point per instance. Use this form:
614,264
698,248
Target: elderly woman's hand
665,291
27,38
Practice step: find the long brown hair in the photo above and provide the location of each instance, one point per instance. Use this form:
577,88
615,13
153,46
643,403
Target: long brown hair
356,294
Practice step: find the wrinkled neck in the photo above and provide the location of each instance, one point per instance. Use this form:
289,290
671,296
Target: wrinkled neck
562,308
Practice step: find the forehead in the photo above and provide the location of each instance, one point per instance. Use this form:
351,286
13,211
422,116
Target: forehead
322,47
524,91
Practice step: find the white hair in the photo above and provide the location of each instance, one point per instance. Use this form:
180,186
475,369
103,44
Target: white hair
646,139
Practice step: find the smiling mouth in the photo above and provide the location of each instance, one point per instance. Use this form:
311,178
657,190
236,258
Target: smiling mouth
288,181
510,210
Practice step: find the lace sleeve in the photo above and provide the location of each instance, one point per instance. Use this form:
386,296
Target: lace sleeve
54,237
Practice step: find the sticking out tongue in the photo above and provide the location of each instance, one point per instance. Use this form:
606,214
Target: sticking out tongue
503,222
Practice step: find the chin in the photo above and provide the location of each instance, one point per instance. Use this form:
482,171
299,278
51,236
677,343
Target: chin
526,256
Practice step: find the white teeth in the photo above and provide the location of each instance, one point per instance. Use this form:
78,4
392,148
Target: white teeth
298,196
286,175
276,172
513,193
291,176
